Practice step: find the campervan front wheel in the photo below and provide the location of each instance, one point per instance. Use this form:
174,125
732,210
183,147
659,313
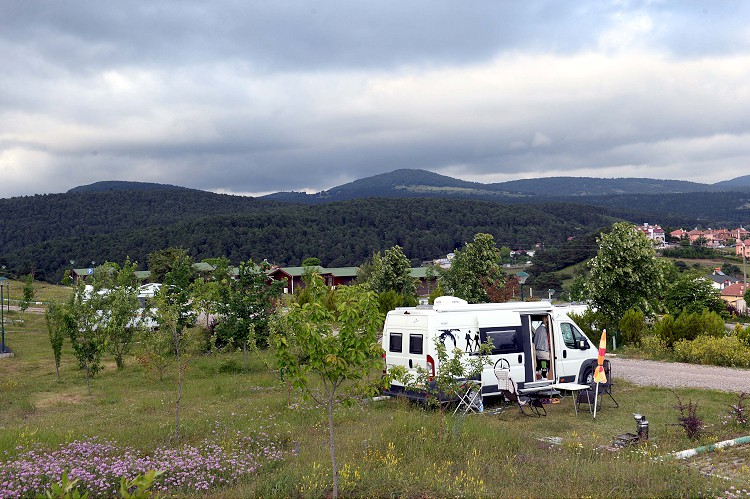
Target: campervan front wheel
588,376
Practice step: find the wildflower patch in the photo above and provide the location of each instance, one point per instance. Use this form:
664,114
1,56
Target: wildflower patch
99,465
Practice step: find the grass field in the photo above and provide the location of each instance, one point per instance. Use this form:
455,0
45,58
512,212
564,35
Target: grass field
387,448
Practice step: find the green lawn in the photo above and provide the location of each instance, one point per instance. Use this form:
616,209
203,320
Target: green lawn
387,448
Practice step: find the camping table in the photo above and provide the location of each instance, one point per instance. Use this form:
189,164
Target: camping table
571,387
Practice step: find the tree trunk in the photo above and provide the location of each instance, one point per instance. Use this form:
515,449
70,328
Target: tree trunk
333,447
244,355
88,383
57,368
179,396
440,420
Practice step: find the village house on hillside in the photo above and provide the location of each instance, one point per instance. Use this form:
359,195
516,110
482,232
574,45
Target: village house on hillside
654,233
342,276
720,280
711,238
734,295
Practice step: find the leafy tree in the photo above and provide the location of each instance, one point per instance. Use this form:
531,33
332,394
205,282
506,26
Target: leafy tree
625,274
340,347
311,262
392,273
211,292
162,261
28,292
59,324
473,270
691,291
176,289
731,269
118,307
578,289
747,299
87,337
246,313
172,335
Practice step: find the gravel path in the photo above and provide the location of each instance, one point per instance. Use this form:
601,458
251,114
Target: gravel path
680,375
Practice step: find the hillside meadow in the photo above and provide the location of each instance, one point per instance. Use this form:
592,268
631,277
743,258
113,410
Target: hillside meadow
385,448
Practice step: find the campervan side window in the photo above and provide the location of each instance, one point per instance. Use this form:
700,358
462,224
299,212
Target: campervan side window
395,343
571,335
504,340
415,344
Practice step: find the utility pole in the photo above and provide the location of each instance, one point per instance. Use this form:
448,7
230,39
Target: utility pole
744,265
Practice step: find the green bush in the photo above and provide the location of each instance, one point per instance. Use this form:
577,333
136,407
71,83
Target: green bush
726,351
743,333
689,326
632,327
666,331
389,300
654,347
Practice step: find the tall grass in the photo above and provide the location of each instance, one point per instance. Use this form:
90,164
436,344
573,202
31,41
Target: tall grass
386,448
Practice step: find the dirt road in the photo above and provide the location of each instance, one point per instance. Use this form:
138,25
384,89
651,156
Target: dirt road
680,375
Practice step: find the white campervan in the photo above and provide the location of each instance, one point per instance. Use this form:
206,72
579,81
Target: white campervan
409,336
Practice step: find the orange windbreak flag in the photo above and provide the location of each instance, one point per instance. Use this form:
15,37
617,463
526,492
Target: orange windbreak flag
599,376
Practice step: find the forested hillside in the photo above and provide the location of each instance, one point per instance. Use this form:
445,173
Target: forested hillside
31,220
49,231
427,214
704,209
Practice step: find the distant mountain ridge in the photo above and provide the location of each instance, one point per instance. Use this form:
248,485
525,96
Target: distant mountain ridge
121,185
422,183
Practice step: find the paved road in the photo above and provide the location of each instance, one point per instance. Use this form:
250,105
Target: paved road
680,375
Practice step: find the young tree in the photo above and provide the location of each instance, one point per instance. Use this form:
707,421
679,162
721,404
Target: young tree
87,337
453,369
172,334
119,309
475,270
340,347
210,293
59,324
161,262
246,313
625,274
28,292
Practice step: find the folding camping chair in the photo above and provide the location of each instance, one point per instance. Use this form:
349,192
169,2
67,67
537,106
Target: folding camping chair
606,388
507,386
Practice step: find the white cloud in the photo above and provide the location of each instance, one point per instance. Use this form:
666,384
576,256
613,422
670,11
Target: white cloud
261,98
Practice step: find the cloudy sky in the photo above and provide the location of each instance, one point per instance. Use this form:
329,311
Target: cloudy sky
252,97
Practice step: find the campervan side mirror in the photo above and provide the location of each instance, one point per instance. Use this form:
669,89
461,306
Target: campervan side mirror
583,345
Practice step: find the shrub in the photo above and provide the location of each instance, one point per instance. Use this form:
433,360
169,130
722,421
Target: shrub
654,347
739,413
688,326
727,351
666,331
688,419
743,334
632,327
